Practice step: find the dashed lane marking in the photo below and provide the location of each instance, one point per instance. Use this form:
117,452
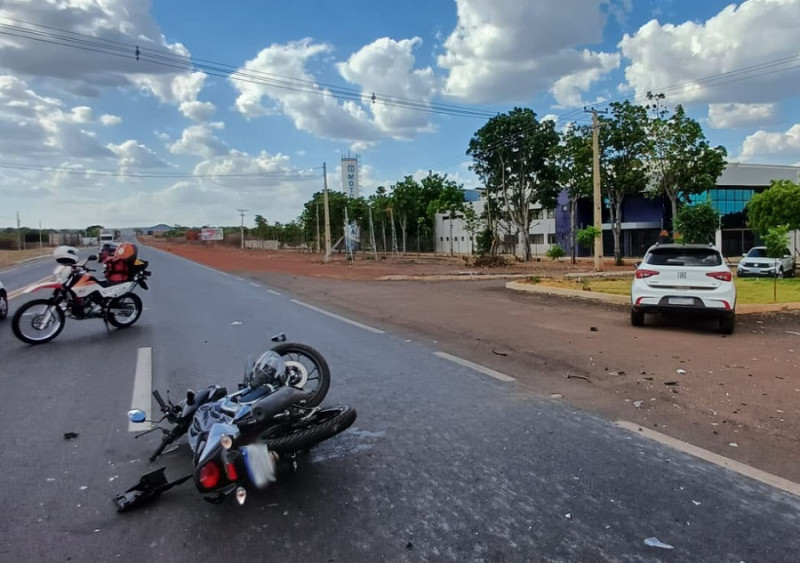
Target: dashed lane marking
142,386
477,367
722,461
338,317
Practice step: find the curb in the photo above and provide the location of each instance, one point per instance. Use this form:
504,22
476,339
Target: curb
742,309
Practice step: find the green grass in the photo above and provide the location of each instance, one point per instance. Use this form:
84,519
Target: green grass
748,290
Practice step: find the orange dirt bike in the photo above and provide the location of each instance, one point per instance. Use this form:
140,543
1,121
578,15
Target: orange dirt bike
79,295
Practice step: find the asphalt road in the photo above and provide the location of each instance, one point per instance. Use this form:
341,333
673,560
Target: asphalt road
445,463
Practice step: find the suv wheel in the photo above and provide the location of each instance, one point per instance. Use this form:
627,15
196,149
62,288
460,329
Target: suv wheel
637,317
726,324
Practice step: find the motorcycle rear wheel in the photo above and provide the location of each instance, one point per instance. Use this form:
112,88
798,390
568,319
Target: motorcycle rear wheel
296,437
309,367
124,310
32,325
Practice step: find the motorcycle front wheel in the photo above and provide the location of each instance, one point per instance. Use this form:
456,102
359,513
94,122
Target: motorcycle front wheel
297,436
38,321
124,310
307,369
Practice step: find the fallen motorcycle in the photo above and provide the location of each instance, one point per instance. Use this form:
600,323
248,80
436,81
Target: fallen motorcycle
79,295
236,439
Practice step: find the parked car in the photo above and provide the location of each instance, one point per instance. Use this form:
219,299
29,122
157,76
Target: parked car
684,279
757,263
3,302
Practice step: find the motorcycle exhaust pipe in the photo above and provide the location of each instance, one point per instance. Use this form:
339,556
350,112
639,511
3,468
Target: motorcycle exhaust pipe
266,408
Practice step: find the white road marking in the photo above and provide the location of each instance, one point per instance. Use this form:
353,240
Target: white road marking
142,387
477,367
722,461
20,291
337,317
254,284
273,292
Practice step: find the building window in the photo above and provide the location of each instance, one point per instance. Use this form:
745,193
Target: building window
536,214
536,239
551,238
551,213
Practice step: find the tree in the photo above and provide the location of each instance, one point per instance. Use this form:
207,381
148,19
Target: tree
262,227
775,241
451,202
514,154
406,204
575,172
623,141
381,202
697,224
775,206
682,163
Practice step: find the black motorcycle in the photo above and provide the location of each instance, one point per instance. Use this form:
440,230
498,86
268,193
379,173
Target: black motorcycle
236,439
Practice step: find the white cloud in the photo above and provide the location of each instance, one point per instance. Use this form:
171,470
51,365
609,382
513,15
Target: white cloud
199,140
764,143
35,127
133,155
106,27
198,111
384,67
109,120
674,58
728,116
506,51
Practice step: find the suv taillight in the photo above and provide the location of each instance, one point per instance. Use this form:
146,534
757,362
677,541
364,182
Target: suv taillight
641,274
721,276
209,475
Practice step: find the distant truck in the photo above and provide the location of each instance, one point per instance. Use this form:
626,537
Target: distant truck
107,236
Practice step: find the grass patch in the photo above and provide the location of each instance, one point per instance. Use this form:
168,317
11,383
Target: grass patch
9,257
748,290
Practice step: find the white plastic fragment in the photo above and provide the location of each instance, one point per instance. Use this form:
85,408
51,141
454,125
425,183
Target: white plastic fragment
680,371
637,404
733,444
655,542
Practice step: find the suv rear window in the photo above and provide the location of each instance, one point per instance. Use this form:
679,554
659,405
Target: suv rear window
684,257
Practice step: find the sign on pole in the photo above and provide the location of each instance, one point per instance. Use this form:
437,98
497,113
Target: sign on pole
211,233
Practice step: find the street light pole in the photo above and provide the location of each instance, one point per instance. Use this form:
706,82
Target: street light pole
241,229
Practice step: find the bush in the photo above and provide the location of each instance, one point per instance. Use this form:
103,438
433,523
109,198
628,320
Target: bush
555,251
488,261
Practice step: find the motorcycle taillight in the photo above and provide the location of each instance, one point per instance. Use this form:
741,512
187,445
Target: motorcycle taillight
209,475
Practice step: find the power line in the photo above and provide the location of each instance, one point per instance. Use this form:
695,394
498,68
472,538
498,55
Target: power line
70,39
113,173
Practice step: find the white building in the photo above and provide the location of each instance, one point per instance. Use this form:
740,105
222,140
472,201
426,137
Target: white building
454,237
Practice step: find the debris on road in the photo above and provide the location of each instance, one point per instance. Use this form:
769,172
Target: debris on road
670,383
655,542
593,328
499,353
573,376
680,371
70,435
637,404
733,444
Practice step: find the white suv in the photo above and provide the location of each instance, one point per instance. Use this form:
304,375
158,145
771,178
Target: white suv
757,263
684,278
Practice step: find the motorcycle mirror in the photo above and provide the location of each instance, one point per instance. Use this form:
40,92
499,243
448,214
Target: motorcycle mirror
280,337
137,415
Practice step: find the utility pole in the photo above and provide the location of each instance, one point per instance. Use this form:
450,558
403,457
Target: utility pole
241,229
598,198
319,239
40,234
19,234
327,213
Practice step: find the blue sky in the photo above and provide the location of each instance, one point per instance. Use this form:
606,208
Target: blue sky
90,135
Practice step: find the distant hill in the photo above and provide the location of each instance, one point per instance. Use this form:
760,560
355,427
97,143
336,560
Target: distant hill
162,228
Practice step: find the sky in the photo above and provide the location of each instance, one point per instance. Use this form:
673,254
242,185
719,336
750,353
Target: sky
131,113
